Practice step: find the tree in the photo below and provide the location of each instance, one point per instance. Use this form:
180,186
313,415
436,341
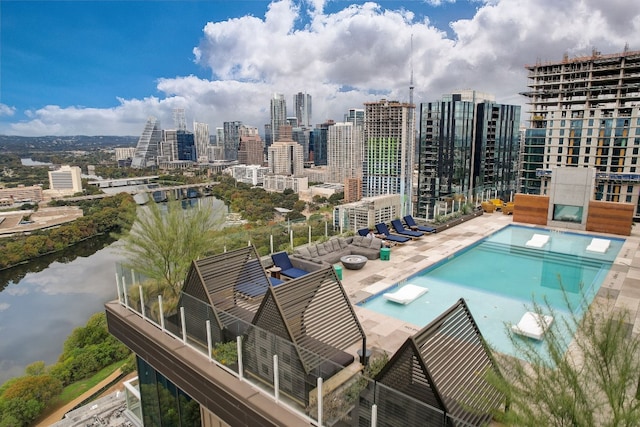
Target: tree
26,397
163,242
594,383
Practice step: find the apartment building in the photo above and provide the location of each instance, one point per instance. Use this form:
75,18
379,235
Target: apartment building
585,112
389,129
468,143
285,155
344,152
367,212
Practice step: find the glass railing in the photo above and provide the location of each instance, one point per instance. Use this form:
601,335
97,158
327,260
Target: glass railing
315,388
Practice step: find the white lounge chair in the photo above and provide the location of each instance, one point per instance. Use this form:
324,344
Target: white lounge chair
538,240
599,245
533,325
406,294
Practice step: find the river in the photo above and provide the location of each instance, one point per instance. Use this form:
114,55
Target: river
43,301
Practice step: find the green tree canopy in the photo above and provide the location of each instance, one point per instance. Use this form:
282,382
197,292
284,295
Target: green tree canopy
166,238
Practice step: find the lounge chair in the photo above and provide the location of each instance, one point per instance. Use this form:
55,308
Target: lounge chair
533,325
364,232
599,245
381,228
411,223
399,228
253,290
281,259
406,294
537,240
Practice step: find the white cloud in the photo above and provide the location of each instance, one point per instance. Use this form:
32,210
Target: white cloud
358,54
5,110
4,306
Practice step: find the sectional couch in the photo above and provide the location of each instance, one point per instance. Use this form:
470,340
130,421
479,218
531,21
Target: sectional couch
332,250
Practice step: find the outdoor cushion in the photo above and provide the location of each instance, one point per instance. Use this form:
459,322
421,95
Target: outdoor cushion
313,251
399,228
376,243
304,252
281,259
343,243
411,223
322,250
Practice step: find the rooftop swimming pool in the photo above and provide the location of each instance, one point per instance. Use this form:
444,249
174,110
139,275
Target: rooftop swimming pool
500,277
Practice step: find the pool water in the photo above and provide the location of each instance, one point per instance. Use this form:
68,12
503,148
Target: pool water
500,278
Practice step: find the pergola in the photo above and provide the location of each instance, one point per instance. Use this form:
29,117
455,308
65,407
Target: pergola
444,366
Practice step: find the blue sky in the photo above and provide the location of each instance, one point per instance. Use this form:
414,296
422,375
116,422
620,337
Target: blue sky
103,67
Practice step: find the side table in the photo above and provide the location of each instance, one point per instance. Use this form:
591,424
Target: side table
275,272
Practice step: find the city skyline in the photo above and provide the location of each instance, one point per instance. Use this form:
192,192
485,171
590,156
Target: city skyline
102,68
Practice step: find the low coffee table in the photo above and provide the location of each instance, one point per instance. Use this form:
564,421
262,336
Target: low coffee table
353,262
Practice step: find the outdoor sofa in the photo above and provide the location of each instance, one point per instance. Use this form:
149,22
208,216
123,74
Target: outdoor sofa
332,250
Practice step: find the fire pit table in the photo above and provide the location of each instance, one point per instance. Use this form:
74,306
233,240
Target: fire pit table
353,262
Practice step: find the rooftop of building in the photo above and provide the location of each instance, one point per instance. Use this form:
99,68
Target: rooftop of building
622,283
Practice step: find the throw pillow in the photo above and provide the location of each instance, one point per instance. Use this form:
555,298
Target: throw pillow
376,243
304,251
343,243
322,250
357,241
313,251
336,245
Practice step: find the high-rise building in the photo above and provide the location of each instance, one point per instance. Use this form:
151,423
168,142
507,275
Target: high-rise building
344,152
179,119
355,116
468,143
250,151
231,140
278,115
585,112
147,147
302,104
202,138
320,136
286,155
389,128
302,136
186,146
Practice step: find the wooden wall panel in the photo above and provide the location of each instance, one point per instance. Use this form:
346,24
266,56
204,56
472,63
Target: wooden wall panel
610,217
530,209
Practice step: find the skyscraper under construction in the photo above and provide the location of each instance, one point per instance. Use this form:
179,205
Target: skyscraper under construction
585,112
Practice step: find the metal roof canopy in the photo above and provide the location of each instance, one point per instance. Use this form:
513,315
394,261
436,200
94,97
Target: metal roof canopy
444,366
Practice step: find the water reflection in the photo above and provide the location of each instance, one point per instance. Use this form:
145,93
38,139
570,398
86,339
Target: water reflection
41,302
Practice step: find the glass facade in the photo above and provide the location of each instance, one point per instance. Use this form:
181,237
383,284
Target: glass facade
163,404
466,144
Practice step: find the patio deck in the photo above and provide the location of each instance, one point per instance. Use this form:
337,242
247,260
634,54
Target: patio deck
621,283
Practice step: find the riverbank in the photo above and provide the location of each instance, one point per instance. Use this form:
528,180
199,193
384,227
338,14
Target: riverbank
112,384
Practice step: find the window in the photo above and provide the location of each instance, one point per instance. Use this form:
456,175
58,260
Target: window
559,150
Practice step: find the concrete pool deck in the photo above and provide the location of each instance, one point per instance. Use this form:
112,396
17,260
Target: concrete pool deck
622,282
